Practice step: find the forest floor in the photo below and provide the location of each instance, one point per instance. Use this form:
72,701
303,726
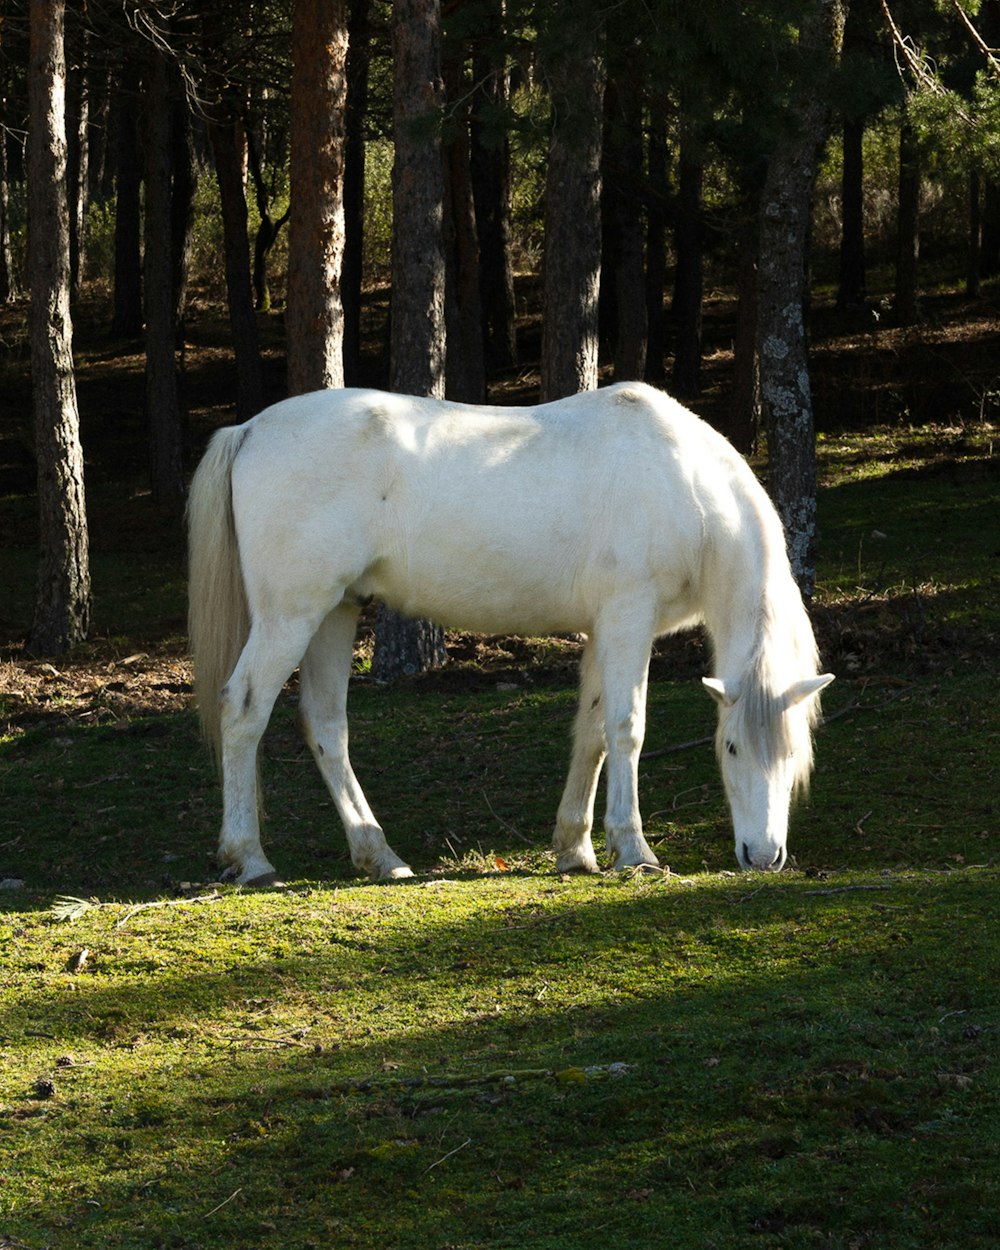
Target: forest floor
869,377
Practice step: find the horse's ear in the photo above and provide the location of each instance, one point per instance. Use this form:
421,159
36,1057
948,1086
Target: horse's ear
806,688
717,689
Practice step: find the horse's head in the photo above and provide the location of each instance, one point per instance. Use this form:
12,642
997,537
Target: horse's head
764,746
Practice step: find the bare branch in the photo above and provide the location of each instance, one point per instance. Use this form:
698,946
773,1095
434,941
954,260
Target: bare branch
992,55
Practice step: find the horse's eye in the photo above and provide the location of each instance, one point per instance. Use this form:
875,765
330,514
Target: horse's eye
731,748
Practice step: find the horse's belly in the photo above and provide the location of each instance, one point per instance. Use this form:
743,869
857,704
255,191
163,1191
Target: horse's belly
486,598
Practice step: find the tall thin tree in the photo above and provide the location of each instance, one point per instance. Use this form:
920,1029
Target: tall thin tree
785,205
62,608
314,317
417,312
575,70
163,399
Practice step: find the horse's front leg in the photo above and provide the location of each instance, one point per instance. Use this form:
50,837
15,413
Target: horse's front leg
324,675
574,820
622,648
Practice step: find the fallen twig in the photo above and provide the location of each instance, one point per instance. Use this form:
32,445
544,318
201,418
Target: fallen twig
168,902
225,1202
467,1142
844,889
267,1040
858,826
504,824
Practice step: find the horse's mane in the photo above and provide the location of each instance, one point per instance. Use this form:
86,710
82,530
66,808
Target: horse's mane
783,651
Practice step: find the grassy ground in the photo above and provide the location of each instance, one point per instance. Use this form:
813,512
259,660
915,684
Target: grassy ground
491,1055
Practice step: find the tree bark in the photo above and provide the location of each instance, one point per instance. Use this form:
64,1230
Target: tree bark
268,227
781,279
226,140
973,261
851,292
743,420
688,281
466,374
62,606
906,304
417,324
417,312
623,180
126,317
572,262
163,406
352,276
490,168
8,277
656,243
78,149
989,244
314,317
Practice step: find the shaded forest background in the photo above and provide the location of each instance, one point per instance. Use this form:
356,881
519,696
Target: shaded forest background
496,201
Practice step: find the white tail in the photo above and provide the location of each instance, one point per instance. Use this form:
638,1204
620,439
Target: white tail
218,619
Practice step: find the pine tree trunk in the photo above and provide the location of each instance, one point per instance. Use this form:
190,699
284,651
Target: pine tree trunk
417,329
656,243
688,281
163,407
906,302
743,419
490,168
314,318
126,318
466,374
225,137
268,227
623,180
785,213
973,264
78,147
8,277
989,245
62,607
572,262
352,273
851,293
183,188
417,314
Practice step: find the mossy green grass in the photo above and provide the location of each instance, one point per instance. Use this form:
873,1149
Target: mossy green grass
491,1055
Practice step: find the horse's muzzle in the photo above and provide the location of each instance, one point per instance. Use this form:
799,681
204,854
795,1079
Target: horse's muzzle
759,862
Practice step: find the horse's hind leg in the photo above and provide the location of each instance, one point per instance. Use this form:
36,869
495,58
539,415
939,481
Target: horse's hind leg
574,820
324,675
267,660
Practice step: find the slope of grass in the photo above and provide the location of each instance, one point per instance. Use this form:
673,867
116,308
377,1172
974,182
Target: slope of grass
490,1055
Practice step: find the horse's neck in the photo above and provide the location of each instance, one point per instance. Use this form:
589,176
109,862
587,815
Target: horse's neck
743,616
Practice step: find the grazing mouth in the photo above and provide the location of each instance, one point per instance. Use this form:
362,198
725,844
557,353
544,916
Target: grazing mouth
775,865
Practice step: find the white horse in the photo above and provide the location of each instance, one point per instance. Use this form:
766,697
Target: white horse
614,513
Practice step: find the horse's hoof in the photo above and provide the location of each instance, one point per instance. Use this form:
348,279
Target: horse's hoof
399,873
266,881
572,864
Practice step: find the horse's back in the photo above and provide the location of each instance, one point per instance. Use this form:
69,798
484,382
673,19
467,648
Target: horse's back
495,519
